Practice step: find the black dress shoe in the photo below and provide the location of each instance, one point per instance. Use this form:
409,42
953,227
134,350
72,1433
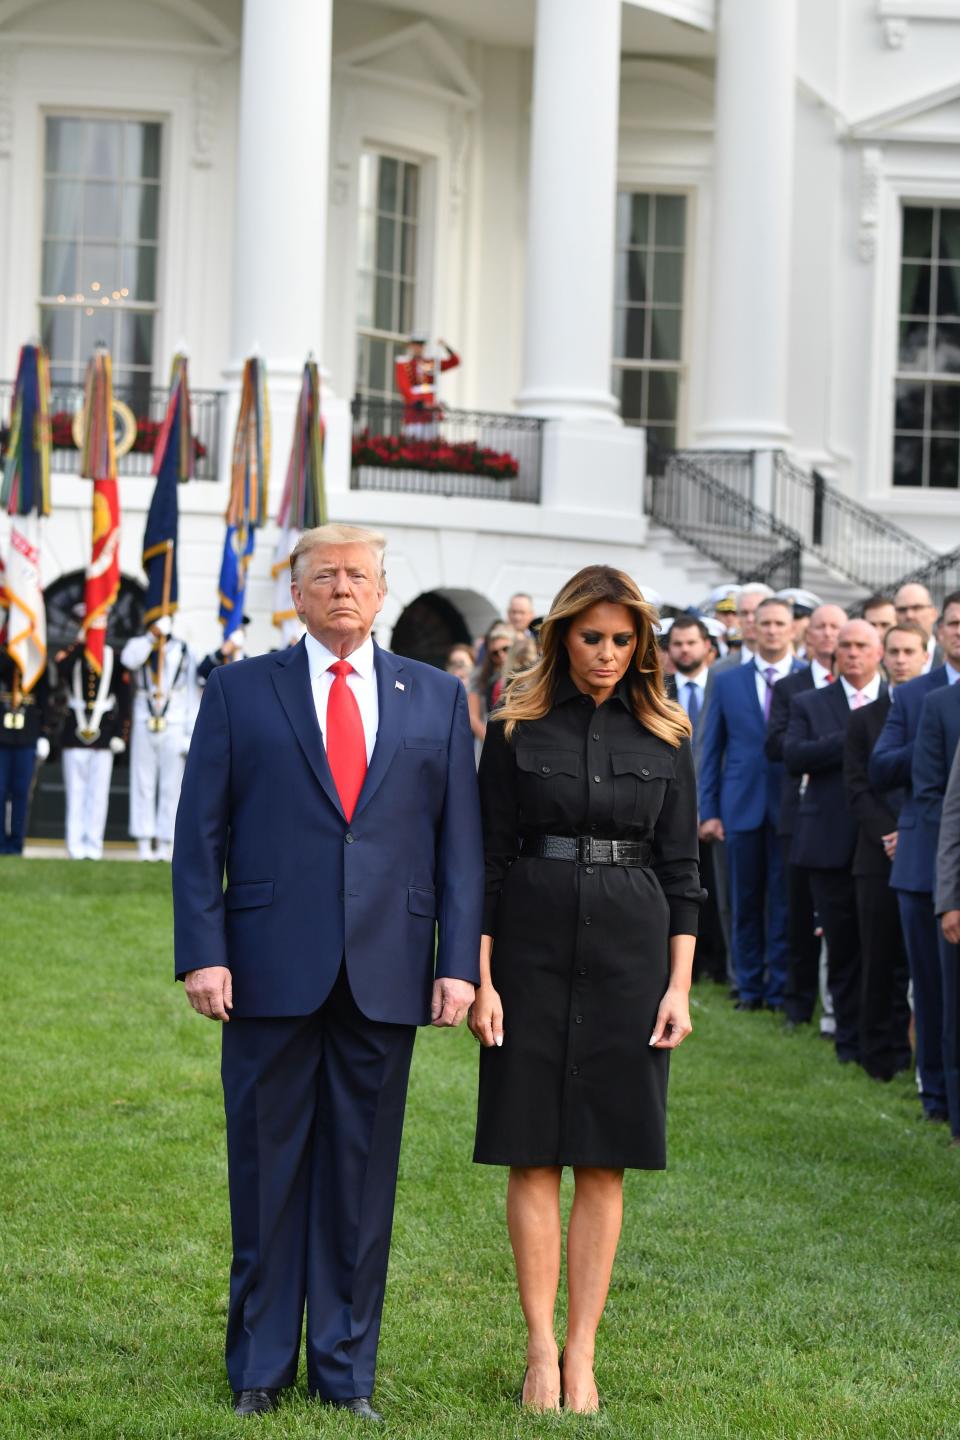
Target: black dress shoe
254,1402
359,1405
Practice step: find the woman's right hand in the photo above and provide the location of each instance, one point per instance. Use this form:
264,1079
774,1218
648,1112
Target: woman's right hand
485,1016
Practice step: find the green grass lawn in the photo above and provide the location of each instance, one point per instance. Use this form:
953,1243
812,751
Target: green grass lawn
793,1274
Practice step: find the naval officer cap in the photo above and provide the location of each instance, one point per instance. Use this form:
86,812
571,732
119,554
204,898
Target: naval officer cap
417,337
804,602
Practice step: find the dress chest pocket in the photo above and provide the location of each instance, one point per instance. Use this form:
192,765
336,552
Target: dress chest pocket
549,782
639,785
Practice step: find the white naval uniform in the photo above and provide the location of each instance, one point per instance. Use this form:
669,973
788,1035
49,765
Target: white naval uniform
157,758
86,780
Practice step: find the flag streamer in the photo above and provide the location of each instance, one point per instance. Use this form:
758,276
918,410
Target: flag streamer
172,464
304,501
250,478
99,464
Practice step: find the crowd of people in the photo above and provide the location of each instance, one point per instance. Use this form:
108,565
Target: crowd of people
824,748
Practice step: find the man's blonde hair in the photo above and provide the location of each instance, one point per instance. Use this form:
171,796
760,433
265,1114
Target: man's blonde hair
336,534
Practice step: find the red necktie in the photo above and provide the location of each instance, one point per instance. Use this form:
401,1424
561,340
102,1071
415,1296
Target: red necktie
346,746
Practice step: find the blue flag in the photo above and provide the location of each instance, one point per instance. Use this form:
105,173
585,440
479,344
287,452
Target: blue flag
160,534
237,551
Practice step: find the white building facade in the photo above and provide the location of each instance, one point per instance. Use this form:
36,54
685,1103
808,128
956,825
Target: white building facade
732,226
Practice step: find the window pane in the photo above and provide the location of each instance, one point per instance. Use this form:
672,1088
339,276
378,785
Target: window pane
102,148
948,290
101,210
140,272
670,219
411,192
665,335
99,271
96,326
636,273
910,405
668,278
408,250
949,234
663,435
378,366
63,202
141,145
917,233
59,268
630,386
639,227
662,401
944,456
134,339
915,290
945,409
387,194
57,326
405,318
64,148
383,303
629,333
907,460
913,352
946,355
141,207
386,243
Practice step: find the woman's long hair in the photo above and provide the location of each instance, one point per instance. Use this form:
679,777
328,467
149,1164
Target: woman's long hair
530,696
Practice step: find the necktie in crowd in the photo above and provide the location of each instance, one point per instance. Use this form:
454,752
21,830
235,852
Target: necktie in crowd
770,675
346,746
693,702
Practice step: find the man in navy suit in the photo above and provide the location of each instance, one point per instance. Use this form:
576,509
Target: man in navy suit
825,834
891,768
335,784
938,735
740,804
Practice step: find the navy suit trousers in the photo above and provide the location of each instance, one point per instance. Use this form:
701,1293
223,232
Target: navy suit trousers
16,775
920,937
314,1109
758,901
950,982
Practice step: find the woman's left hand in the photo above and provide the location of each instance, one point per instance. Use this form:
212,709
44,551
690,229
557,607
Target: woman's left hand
673,1021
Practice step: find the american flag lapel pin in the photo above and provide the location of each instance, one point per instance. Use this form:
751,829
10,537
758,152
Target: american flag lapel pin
397,685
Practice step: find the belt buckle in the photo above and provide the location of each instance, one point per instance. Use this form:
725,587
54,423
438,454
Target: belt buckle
584,849
615,853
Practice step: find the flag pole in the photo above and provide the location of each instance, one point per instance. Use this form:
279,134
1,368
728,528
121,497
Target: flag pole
167,582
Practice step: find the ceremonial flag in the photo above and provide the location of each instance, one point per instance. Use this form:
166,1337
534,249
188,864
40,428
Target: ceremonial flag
304,502
172,464
250,478
26,496
99,464
3,602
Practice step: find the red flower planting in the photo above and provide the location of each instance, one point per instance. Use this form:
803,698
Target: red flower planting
400,452
61,427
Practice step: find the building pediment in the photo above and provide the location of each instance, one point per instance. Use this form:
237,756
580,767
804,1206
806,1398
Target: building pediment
416,57
931,119
151,23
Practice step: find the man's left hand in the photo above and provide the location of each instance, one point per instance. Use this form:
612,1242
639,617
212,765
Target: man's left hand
451,1001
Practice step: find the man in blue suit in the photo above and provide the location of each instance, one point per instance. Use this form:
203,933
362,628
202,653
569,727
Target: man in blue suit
938,735
335,784
740,804
891,768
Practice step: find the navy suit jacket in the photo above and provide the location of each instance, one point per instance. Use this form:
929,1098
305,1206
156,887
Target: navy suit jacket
937,736
891,768
825,834
783,692
737,782
306,891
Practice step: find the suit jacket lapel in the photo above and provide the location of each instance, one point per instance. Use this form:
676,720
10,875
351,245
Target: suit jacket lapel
291,680
394,684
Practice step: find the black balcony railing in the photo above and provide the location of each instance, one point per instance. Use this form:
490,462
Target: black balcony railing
720,522
148,405
468,454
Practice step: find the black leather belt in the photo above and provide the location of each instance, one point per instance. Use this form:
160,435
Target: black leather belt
586,850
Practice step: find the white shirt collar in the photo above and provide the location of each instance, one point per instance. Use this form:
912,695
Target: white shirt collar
782,667
699,679
820,673
319,658
746,655
871,691
952,675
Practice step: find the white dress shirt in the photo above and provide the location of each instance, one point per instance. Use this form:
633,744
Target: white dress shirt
952,675
821,675
362,681
700,680
869,691
746,655
783,667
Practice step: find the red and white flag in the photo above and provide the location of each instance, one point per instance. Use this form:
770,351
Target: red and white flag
26,618
103,572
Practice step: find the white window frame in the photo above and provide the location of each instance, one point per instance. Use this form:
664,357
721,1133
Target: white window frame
391,152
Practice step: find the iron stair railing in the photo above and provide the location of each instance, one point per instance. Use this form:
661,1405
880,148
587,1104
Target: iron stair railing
941,576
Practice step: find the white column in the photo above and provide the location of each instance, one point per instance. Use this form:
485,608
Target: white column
281,217
572,207
749,298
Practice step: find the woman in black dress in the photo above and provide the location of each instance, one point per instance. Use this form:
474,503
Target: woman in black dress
590,836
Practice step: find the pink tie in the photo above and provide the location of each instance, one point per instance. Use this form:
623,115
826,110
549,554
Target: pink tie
859,700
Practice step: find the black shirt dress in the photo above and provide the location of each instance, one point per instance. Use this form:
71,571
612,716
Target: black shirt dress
581,951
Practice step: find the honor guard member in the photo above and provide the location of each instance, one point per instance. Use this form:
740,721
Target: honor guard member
164,709
234,648
416,376
24,739
96,727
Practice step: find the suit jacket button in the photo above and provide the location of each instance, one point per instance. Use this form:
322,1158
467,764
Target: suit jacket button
348,837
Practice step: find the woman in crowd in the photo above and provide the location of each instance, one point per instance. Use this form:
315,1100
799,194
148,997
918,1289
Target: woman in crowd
480,700
522,654
590,836
460,662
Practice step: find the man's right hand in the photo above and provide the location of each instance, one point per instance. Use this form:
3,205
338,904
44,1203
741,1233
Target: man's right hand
950,923
210,991
711,829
